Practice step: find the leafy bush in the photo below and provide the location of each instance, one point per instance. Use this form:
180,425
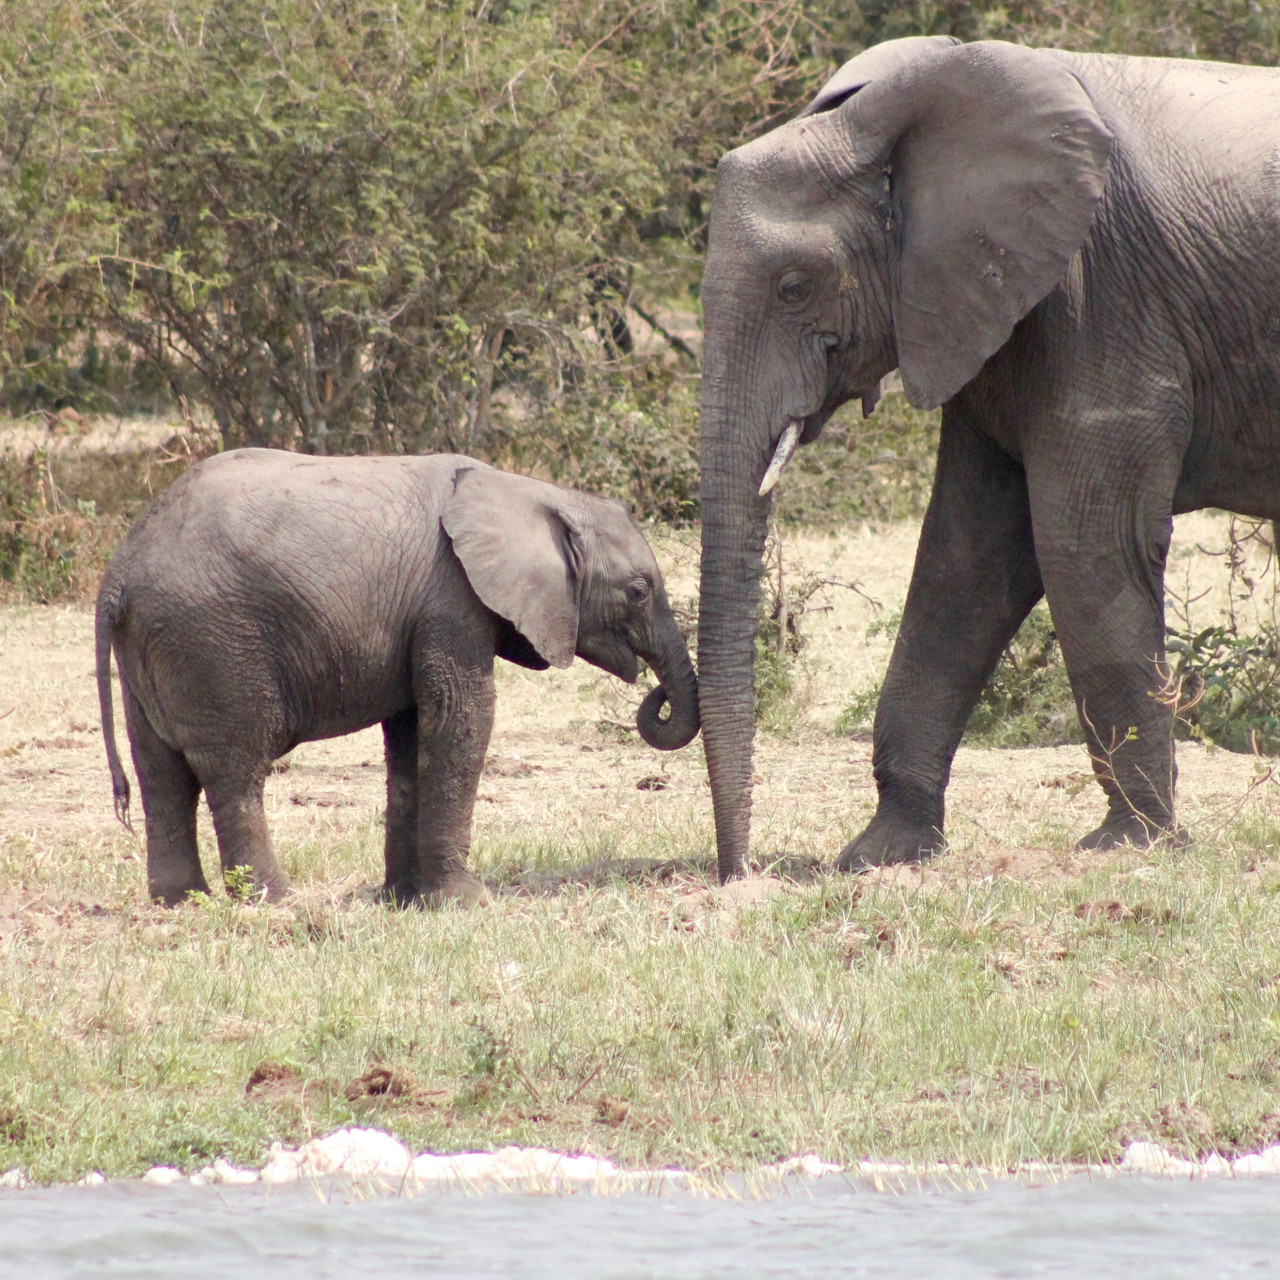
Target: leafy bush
53,218
51,547
631,433
1229,687
1027,701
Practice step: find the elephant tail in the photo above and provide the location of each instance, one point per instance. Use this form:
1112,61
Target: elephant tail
110,606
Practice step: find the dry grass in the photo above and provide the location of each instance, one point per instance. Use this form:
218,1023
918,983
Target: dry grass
1014,1000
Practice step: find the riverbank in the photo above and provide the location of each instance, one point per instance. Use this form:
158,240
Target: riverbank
1013,1002
365,1162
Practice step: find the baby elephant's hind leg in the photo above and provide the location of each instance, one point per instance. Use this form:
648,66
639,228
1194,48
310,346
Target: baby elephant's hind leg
243,838
170,794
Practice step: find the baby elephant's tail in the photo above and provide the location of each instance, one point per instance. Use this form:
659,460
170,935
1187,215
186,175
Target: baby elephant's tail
109,602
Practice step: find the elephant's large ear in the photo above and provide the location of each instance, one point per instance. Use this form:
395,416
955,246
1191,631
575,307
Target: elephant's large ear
996,160
873,64
522,552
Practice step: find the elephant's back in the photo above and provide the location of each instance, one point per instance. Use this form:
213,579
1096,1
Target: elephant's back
267,506
290,574
1212,116
288,542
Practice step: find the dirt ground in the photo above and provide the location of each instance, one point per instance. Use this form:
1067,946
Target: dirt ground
563,775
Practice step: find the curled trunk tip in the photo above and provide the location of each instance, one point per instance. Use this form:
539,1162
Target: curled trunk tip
671,733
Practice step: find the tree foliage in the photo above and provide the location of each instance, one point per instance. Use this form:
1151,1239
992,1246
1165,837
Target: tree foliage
353,225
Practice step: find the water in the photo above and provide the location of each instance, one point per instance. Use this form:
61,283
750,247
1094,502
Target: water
1125,1226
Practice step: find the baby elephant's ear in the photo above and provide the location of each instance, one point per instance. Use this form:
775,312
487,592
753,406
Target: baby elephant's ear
522,553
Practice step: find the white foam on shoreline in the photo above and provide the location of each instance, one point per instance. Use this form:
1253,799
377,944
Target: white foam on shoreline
375,1158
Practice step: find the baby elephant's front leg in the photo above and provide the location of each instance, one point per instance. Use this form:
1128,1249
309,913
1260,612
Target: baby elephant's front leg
455,720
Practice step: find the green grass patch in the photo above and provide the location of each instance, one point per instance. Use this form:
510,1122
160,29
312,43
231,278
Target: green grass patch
989,1022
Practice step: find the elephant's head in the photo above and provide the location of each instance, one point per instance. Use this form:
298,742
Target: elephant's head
571,574
925,201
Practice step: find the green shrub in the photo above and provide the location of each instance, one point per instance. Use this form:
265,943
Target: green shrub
631,434
1027,701
52,547
1229,687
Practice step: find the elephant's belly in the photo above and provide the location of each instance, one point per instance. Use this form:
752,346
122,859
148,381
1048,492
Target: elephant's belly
1245,479
352,716
1233,460
349,693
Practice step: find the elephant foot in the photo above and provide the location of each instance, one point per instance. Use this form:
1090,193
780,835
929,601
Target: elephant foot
1135,830
398,895
275,890
169,894
460,888
887,841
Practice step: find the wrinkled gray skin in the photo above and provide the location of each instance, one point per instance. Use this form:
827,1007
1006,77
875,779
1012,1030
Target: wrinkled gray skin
1078,257
268,599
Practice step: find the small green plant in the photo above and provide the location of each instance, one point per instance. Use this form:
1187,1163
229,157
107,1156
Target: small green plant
489,1054
239,882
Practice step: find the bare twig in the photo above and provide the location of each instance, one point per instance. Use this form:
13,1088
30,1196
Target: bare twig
674,341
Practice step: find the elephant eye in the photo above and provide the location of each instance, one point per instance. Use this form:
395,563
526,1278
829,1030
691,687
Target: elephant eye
794,286
638,591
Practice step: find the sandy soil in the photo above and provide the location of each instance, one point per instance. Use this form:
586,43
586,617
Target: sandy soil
560,775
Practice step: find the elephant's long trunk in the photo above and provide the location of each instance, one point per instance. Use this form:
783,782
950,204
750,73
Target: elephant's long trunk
734,523
679,687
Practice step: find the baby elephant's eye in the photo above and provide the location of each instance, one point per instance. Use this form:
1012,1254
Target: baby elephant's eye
638,590
794,286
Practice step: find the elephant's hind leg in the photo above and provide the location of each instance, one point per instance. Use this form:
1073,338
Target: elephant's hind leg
975,580
243,838
1103,542
170,795
400,739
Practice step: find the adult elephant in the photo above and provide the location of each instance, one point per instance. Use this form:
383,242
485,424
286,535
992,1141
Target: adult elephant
1076,256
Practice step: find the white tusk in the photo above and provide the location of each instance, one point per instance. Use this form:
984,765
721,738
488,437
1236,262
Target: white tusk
781,456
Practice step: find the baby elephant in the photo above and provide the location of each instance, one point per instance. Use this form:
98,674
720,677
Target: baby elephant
268,599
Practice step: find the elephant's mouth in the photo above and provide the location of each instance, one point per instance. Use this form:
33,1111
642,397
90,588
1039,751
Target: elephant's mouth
798,431
788,443
806,430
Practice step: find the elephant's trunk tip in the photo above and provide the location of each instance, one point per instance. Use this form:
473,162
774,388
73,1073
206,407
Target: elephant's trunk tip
673,732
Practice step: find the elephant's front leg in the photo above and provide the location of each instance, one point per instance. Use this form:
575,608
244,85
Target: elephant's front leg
455,720
1103,535
975,580
400,741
